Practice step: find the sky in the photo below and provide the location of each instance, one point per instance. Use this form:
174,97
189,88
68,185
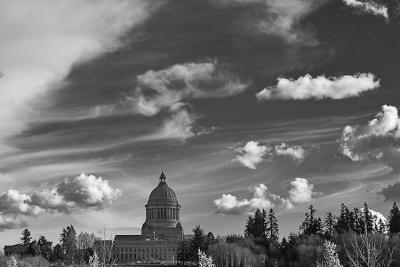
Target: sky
244,104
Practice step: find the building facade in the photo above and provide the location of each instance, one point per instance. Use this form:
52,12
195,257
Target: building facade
161,233
15,250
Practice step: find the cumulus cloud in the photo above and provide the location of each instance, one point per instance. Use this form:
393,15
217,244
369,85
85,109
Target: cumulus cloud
369,7
166,88
73,194
320,87
262,199
378,139
251,154
391,192
281,17
11,222
299,190
41,41
296,153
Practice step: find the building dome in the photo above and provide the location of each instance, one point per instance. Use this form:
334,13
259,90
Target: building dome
162,193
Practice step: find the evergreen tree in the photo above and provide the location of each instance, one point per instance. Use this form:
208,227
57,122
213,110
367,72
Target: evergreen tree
311,224
342,224
26,237
256,226
330,224
249,228
68,243
198,242
45,247
368,219
394,220
210,240
272,228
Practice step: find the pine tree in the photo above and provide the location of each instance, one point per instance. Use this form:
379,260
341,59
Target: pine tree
197,242
272,228
45,247
249,228
69,243
330,224
26,237
394,220
210,240
342,224
311,225
368,219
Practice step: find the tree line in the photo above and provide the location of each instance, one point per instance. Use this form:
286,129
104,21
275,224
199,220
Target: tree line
354,237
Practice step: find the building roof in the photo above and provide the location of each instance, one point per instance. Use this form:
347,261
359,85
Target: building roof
128,238
163,193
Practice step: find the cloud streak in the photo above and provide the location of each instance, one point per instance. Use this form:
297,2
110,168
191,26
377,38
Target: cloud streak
320,87
37,54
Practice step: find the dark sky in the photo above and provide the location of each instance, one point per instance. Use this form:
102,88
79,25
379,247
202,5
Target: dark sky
244,104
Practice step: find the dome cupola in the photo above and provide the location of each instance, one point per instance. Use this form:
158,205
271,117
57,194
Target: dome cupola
162,194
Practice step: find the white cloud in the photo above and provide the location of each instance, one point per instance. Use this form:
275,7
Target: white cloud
13,202
300,191
11,222
41,41
379,138
251,154
320,87
178,126
262,199
73,194
166,88
296,153
368,7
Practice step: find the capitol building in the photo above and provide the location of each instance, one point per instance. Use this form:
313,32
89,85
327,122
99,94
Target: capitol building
161,233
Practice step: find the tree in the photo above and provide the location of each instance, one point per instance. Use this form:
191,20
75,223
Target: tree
45,247
197,242
272,228
343,223
256,226
204,260
26,237
311,225
57,254
330,257
368,219
210,240
68,243
394,220
330,225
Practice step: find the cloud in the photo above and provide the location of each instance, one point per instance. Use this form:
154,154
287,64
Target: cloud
369,7
296,153
42,40
320,87
281,17
73,194
378,139
301,191
262,199
13,202
391,192
251,154
166,88
11,222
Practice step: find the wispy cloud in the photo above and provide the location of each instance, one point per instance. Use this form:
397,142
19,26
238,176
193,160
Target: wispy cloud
280,17
299,190
391,192
37,53
369,7
320,87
